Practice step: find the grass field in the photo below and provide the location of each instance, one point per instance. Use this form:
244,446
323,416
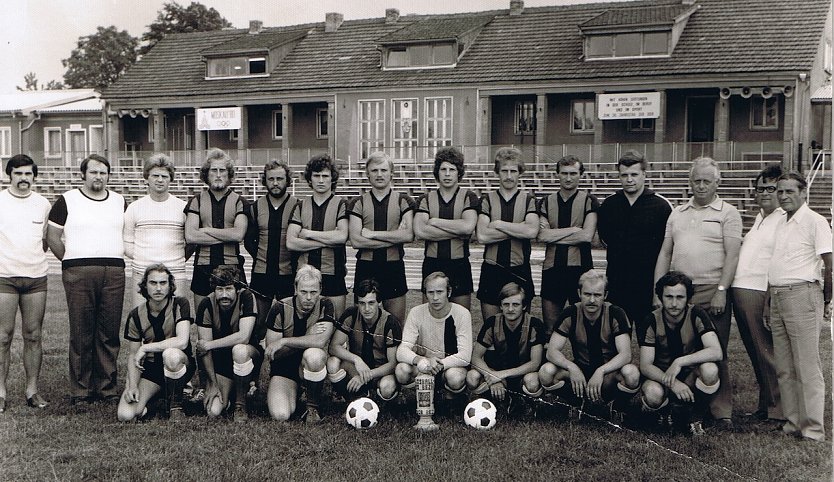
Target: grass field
87,443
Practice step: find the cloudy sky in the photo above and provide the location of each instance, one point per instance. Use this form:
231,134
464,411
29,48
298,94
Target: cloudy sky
37,34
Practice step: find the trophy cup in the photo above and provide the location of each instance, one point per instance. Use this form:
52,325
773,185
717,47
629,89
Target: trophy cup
425,402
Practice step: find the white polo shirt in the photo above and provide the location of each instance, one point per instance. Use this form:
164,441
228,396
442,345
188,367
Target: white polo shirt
798,247
756,251
22,230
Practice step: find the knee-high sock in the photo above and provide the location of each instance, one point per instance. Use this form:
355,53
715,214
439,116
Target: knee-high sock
174,383
243,373
313,384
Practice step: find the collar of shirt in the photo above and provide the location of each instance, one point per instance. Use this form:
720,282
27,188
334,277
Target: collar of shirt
716,204
760,217
799,214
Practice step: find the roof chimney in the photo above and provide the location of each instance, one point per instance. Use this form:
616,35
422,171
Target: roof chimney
255,26
392,15
516,7
332,20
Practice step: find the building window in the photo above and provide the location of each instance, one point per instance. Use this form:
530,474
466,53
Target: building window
524,122
76,144
277,124
438,123
633,44
5,141
233,134
96,140
322,117
583,116
826,56
421,55
404,124
52,142
764,113
640,125
371,126
236,67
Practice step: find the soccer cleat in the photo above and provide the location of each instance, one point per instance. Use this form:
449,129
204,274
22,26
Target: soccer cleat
312,415
176,414
696,429
198,395
240,415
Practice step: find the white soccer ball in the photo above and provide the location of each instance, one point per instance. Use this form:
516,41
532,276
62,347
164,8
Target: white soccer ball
362,413
480,414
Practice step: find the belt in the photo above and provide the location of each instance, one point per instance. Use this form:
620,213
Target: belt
791,286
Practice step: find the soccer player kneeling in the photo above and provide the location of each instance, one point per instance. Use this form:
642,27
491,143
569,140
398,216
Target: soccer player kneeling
600,338
160,350
437,338
364,347
298,333
678,351
509,349
225,321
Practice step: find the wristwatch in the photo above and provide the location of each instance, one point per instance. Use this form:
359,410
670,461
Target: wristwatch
722,288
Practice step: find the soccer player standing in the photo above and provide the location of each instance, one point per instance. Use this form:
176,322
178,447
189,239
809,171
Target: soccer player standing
445,219
23,269
379,225
318,230
506,224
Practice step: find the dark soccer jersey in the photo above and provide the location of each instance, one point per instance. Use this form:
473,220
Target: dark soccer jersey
224,323
671,341
324,217
564,214
370,342
592,343
285,318
141,326
381,215
433,204
510,252
217,213
511,347
266,236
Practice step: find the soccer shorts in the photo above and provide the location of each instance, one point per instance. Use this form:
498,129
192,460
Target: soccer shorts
494,277
154,372
333,285
223,362
287,366
459,272
21,285
389,274
561,284
272,287
201,279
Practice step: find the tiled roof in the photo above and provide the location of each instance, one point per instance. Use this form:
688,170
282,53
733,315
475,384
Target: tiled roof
255,42
822,95
435,28
542,45
648,14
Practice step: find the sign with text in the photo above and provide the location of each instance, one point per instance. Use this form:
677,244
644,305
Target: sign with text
218,119
634,105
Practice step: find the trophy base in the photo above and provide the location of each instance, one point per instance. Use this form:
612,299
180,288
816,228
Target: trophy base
426,424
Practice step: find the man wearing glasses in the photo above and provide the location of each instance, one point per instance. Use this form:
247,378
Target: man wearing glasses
749,292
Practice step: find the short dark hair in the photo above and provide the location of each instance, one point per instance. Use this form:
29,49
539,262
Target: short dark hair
674,278
570,160
793,175
508,154
453,156
364,288
319,163
224,275
21,160
275,164
632,157
143,284
771,172
94,157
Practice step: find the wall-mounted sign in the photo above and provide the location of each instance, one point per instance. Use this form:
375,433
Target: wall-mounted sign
633,105
218,119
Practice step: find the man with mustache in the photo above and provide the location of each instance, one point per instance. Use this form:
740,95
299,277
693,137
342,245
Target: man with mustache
297,340
23,269
600,340
225,319
568,221
85,233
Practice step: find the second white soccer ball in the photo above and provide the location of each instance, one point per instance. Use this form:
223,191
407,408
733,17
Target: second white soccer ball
480,414
362,413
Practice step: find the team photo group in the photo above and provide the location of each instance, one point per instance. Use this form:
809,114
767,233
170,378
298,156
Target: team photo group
648,334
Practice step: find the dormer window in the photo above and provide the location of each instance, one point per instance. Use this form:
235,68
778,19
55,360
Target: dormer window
236,67
421,55
635,32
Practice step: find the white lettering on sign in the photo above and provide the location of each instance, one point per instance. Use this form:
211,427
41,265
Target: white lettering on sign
637,105
218,119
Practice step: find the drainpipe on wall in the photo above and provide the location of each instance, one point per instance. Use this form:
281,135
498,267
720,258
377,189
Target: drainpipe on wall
22,129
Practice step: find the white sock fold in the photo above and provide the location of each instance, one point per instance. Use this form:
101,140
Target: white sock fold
243,369
338,376
708,389
175,375
315,376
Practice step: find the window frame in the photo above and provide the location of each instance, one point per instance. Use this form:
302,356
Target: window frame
5,141
448,123
522,105
401,145
319,133
234,135
584,130
613,42
72,155
764,101
90,129
279,121
247,61
386,65
642,127
372,143
47,153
